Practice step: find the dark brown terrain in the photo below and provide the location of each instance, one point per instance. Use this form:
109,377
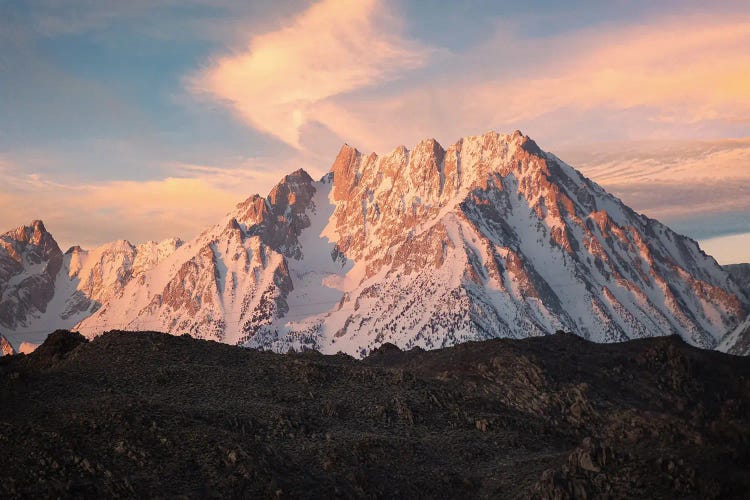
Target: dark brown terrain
153,415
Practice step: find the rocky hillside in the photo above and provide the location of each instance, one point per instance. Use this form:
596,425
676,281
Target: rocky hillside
429,247
147,414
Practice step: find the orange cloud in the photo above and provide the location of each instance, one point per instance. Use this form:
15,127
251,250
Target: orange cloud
682,71
179,205
671,180
334,47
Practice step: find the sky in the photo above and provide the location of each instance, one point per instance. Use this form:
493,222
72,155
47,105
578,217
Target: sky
147,119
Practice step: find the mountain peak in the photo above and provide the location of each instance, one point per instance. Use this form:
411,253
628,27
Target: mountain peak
5,347
75,249
291,187
299,175
344,170
35,233
33,236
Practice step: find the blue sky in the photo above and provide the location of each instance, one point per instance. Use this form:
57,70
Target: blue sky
147,119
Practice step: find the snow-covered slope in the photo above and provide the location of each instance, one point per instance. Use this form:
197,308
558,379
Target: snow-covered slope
43,289
737,341
429,247
228,281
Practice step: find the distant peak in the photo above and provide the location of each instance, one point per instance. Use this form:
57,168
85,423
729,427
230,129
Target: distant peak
299,175
35,234
345,157
430,145
346,147
292,185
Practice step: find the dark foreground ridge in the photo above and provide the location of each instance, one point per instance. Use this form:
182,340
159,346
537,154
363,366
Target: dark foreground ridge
149,414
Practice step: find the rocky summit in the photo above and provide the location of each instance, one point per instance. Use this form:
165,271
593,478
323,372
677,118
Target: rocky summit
154,415
429,247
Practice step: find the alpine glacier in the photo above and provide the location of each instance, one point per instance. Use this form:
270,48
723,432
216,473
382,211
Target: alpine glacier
491,237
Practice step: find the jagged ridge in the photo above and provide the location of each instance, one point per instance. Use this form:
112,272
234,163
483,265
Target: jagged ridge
491,237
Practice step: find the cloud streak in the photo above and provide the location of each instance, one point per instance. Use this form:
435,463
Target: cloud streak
670,78
191,198
332,48
701,188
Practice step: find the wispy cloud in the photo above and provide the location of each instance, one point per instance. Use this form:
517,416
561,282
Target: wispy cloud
332,48
699,187
672,78
180,204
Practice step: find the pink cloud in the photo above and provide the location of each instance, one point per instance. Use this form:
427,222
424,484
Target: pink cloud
675,72
192,198
334,47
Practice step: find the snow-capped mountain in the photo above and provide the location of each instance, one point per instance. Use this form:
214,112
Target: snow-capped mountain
429,247
42,289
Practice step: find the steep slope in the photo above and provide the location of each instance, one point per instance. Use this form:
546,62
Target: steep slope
228,281
737,341
29,263
740,273
490,238
43,289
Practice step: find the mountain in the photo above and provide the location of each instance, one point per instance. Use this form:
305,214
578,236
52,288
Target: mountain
740,273
42,289
5,347
737,341
29,263
142,415
491,237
